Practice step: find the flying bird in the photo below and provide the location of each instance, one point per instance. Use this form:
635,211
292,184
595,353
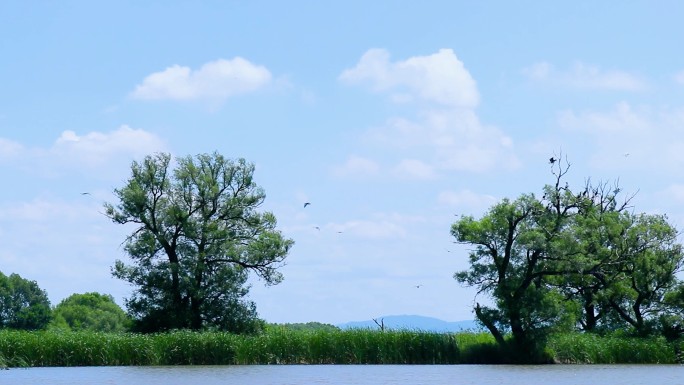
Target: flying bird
306,204
418,286
85,193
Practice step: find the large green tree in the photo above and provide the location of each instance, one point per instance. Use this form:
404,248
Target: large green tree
519,246
571,257
198,232
508,263
90,311
23,304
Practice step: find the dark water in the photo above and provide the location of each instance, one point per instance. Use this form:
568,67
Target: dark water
352,374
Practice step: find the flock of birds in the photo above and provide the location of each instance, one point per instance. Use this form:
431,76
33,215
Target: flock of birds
552,161
306,204
317,227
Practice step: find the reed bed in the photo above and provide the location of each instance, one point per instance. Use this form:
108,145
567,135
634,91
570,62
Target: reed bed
286,346
359,346
612,349
277,346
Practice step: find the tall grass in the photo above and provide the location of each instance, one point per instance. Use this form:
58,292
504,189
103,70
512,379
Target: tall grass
277,346
356,346
611,349
286,346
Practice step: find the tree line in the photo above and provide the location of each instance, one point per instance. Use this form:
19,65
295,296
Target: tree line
573,259
25,306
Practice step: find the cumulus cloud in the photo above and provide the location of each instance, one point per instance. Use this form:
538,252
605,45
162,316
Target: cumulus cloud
45,212
9,149
216,80
379,226
439,78
448,140
41,209
357,166
679,77
465,198
414,169
637,130
371,229
443,132
623,118
97,148
674,193
93,151
582,75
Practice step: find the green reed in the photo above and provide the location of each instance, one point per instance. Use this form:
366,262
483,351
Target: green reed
277,346
357,346
611,349
286,346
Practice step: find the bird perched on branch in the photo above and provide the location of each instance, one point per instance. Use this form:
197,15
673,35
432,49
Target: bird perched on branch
552,160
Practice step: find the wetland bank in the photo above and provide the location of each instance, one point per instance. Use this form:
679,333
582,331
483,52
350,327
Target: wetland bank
281,346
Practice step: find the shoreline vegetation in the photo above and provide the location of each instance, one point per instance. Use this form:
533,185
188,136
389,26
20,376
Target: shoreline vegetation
279,345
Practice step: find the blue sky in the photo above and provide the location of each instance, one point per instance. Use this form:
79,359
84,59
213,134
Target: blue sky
390,117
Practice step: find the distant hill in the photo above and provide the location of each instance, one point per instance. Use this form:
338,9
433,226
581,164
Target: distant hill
414,322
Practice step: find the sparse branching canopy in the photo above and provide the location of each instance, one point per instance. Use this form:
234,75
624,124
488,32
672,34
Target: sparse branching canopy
570,258
198,232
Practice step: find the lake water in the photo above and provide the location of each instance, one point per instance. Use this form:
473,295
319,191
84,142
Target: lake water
351,375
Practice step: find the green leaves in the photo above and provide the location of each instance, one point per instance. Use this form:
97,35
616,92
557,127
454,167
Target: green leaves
570,258
193,223
23,305
91,311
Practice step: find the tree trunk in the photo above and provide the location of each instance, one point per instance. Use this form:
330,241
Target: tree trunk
487,322
590,312
195,313
176,295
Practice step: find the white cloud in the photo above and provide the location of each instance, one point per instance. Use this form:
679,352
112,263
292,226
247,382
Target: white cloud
97,148
439,78
371,229
67,246
538,71
679,77
623,118
465,198
9,149
216,80
651,136
414,169
41,209
379,227
357,166
674,193
452,140
46,215
98,152
446,133
585,76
